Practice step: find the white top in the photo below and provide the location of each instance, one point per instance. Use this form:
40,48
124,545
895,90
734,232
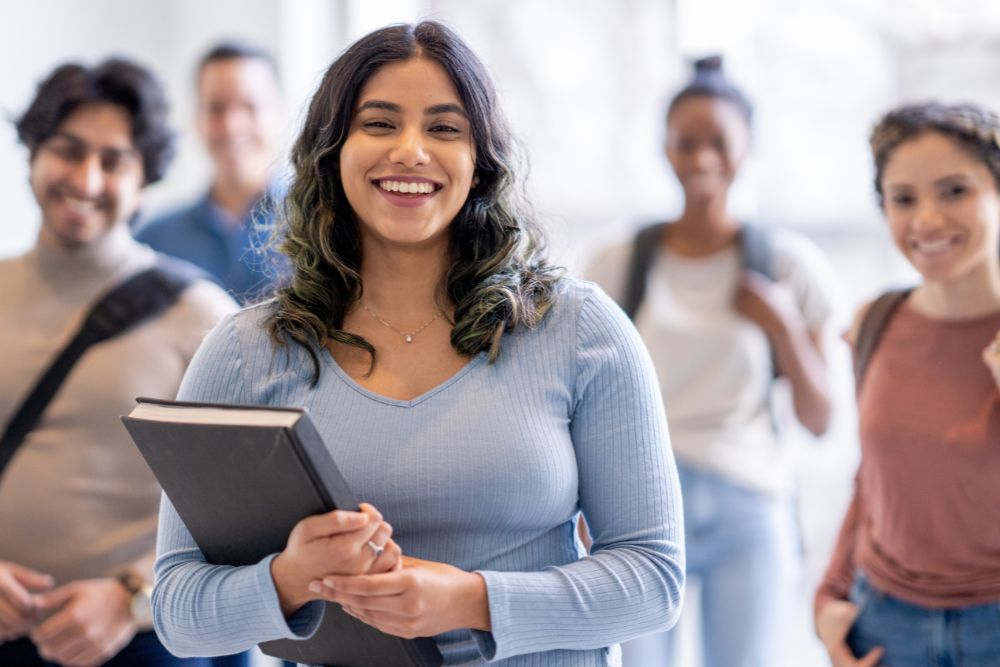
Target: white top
714,365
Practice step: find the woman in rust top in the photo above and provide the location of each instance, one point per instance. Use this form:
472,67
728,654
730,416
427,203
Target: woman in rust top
915,576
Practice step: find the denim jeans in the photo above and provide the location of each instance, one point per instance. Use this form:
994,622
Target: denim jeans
145,650
743,548
915,636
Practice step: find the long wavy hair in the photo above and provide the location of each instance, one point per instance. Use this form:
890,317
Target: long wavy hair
499,277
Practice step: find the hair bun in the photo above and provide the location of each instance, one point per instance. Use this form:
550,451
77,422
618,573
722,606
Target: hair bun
708,65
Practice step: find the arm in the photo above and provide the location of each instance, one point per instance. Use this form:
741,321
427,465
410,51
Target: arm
632,582
798,351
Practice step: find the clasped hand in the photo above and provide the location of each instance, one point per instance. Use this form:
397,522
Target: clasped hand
81,624
338,542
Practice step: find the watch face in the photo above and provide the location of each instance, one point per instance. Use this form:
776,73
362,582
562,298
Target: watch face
142,606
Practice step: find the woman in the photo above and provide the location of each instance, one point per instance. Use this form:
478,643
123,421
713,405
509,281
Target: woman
915,576
466,390
719,334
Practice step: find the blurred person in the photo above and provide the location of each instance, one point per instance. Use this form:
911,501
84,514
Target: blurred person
915,576
78,505
240,120
472,393
720,328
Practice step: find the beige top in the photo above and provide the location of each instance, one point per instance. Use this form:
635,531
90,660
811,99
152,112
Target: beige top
77,501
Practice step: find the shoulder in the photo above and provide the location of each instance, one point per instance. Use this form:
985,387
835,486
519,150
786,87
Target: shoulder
792,251
584,315
168,223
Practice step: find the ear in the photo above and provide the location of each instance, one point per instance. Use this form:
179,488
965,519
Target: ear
475,181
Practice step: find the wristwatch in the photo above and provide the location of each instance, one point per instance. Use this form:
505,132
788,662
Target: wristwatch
140,598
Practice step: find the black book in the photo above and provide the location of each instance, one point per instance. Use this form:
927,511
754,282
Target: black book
241,478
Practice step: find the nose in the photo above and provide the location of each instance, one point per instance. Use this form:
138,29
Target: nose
87,176
706,159
409,149
926,217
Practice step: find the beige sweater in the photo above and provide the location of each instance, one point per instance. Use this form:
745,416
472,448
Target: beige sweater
77,501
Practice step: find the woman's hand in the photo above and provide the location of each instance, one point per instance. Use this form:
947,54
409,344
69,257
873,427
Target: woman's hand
991,357
337,542
833,622
766,303
422,599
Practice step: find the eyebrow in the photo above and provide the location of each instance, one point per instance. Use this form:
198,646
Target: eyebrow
944,180
122,150
448,107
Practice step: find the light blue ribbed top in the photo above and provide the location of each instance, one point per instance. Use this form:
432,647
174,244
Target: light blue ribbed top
488,472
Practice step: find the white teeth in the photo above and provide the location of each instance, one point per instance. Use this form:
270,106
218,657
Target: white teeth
932,246
407,187
80,205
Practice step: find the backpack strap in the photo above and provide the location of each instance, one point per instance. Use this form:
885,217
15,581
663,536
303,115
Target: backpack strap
871,328
141,297
644,248
755,250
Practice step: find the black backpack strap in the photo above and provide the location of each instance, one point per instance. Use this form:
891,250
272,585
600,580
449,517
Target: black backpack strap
644,248
755,250
141,297
871,328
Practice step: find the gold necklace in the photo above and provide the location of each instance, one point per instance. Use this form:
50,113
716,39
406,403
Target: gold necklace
408,337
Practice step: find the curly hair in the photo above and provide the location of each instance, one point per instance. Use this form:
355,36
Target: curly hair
499,277
115,81
972,127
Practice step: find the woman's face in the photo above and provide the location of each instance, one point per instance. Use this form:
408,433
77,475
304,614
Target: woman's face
408,162
942,206
707,140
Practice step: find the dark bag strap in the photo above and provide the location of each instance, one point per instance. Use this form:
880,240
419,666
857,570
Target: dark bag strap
871,328
139,298
755,254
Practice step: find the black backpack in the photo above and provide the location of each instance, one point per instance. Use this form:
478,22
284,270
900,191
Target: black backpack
755,254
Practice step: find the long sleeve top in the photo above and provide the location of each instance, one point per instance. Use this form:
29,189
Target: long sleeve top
77,501
924,523
488,472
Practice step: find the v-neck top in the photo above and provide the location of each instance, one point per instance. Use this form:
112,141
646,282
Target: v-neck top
488,471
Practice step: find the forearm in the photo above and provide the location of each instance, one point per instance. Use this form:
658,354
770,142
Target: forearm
798,358
204,609
598,601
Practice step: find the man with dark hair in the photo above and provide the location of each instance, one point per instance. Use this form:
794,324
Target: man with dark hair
239,120
78,506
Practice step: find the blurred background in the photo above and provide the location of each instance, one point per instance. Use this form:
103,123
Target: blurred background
585,84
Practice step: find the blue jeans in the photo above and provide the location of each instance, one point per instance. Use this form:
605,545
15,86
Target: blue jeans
915,636
743,548
145,650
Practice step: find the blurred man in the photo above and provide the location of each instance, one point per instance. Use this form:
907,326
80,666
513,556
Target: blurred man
240,121
78,506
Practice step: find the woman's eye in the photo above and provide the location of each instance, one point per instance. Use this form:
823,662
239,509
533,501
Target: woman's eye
444,128
902,200
377,125
955,192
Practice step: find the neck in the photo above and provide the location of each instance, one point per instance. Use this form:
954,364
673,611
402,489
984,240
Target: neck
975,294
235,196
703,228
404,283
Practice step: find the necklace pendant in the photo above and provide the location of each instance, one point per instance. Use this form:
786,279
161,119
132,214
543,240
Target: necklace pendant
409,338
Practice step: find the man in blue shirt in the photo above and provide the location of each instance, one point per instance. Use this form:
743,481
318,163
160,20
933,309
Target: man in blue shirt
240,122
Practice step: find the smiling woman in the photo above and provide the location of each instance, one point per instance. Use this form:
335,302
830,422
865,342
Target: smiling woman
474,395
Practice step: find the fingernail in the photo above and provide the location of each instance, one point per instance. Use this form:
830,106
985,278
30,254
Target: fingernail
329,583
315,587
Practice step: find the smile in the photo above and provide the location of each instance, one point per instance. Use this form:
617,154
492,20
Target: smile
408,187
934,247
80,206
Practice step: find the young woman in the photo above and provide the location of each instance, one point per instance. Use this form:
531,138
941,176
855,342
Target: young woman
915,577
719,333
476,398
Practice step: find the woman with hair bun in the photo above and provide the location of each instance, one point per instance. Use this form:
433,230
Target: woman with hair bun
915,577
727,310
480,400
